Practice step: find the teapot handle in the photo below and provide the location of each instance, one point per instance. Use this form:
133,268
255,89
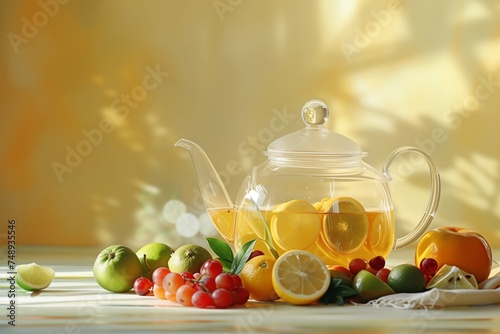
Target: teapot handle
435,193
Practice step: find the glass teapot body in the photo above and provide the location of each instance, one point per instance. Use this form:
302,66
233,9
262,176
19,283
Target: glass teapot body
336,214
313,193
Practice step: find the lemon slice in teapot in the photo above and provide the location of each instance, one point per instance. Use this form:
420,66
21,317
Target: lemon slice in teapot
295,225
345,224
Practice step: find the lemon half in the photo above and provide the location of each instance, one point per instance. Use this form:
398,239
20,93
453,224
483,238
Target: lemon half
300,277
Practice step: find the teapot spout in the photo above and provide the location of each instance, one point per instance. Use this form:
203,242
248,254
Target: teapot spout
212,189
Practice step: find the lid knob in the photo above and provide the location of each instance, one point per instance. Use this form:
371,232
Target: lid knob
315,112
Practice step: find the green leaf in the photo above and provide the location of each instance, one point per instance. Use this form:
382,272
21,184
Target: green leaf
226,265
345,291
273,251
249,207
337,292
221,249
241,256
339,301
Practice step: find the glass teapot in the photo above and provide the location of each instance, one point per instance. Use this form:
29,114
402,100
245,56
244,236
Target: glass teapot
314,193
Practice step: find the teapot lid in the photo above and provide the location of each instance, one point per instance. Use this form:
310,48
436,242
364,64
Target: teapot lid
314,140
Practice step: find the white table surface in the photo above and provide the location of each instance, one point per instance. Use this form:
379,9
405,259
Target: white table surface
74,303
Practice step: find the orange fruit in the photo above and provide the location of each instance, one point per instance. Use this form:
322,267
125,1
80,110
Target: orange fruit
256,276
342,269
458,247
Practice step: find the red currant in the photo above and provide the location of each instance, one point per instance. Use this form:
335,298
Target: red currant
202,299
171,297
142,286
207,284
159,274
184,295
383,273
187,275
356,265
428,266
211,268
254,254
172,282
237,280
224,281
377,263
222,298
158,291
240,295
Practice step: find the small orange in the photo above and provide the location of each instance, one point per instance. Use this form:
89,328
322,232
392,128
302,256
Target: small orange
257,277
458,247
342,269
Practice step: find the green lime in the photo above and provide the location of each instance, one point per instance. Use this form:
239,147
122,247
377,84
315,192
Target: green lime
406,278
116,268
152,256
188,258
32,277
369,286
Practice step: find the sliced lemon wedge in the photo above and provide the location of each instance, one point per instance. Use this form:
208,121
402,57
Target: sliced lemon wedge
452,277
33,277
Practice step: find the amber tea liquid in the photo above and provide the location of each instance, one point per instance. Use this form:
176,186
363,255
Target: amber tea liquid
341,237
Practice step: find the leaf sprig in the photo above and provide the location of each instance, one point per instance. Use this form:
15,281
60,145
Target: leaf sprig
337,292
231,263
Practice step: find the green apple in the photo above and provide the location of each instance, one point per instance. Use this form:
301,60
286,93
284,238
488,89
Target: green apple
152,256
116,268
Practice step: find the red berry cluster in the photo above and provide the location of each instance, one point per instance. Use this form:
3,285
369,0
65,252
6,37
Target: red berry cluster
210,288
375,265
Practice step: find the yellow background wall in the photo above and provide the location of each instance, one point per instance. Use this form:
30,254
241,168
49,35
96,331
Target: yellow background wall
120,81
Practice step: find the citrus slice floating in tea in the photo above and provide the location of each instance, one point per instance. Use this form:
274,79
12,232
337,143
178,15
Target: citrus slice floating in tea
300,277
321,250
295,225
224,222
345,224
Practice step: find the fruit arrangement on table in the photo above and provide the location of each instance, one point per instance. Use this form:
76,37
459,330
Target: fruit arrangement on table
445,258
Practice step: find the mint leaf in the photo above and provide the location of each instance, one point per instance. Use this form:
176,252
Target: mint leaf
242,256
345,291
221,249
337,292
